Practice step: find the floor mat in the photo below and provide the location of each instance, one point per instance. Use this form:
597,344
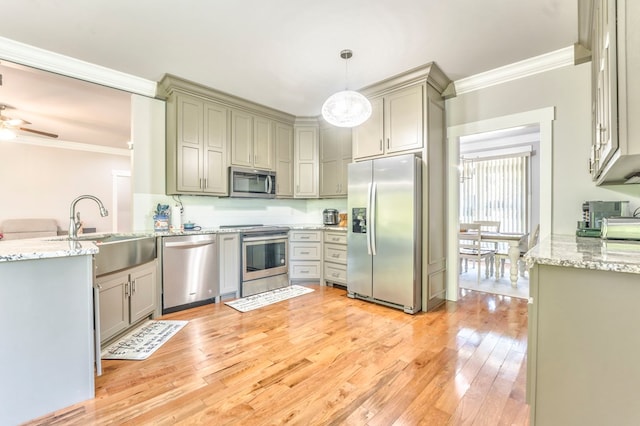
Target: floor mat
140,343
259,300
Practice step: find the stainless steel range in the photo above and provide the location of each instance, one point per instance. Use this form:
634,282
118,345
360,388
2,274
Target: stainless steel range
265,260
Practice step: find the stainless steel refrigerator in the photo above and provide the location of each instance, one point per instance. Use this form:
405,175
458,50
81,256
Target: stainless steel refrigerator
384,263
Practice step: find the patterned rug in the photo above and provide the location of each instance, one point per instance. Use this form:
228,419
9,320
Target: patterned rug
259,300
143,341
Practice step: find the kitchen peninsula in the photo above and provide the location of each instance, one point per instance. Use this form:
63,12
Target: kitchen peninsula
584,343
46,312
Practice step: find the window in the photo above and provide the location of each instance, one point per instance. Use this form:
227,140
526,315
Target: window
496,189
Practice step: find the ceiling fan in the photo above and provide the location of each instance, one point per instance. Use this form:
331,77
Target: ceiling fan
9,125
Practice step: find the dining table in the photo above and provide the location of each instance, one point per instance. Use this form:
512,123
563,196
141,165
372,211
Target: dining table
517,244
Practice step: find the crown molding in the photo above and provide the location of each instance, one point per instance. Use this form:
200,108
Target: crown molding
35,57
538,64
74,146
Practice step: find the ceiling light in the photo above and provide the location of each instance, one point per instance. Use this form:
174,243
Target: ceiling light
346,108
7,134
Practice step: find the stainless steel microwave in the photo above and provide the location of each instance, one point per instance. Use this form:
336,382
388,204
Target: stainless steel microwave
251,183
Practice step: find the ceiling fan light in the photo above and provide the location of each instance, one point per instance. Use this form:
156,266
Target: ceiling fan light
7,134
15,122
346,109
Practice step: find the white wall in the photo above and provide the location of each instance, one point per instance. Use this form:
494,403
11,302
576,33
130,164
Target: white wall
568,90
41,182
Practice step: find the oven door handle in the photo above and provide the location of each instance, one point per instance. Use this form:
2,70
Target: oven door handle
265,238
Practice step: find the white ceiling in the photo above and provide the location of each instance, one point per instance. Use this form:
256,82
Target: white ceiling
280,53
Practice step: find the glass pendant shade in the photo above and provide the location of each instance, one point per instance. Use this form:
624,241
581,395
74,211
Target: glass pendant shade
346,109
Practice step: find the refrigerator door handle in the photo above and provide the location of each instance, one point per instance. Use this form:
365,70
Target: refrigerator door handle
372,215
368,219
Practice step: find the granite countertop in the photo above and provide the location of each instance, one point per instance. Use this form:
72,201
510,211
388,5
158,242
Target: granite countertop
43,248
586,253
49,247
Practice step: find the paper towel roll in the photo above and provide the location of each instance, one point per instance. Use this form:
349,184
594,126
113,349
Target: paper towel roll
176,218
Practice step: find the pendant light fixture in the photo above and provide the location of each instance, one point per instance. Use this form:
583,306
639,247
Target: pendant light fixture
346,108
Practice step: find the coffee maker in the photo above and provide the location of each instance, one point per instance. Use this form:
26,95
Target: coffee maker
594,211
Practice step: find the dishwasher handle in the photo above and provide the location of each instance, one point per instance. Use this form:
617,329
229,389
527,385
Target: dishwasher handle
168,244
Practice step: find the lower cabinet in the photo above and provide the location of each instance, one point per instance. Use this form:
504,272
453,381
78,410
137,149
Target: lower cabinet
229,264
335,257
126,297
305,256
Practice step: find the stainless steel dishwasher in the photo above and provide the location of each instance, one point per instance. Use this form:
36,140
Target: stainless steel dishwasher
189,271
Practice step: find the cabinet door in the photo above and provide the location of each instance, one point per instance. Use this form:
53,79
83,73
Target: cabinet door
144,286
114,304
605,74
215,147
404,119
241,139
229,256
284,160
335,155
368,137
189,144
306,162
330,161
263,149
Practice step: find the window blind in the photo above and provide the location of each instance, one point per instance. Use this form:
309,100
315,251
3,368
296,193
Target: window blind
496,189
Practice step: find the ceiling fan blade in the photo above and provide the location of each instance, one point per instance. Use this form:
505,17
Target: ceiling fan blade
39,132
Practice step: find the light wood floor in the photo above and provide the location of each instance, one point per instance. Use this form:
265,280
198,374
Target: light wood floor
323,358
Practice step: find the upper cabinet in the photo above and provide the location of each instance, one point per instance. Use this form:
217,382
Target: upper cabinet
335,155
208,130
396,124
615,49
305,153
283,137
196,146
251,141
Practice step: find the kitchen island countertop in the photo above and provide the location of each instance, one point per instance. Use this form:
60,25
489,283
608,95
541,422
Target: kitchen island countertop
43,248
586,253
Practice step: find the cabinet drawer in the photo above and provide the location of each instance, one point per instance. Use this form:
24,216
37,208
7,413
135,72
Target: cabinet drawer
299,251
305,235
335,253
309,270
335,273
335,237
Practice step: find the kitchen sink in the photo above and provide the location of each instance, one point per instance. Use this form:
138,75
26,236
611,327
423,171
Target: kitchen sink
120,251
109,238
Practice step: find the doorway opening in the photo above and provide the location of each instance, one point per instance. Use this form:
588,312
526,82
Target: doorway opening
490,138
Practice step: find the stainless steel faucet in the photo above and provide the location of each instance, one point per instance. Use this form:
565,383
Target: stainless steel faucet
74,225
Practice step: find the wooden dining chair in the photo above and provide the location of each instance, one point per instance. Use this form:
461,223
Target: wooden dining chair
501,256
490,226
470,247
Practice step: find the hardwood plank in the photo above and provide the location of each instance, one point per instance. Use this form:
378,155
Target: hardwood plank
324,359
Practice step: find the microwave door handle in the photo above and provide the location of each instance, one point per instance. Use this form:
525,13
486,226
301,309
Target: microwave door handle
268,184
